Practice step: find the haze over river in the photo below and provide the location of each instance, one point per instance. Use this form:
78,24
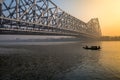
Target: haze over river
60,61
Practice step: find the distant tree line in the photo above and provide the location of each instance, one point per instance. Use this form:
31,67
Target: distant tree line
110,38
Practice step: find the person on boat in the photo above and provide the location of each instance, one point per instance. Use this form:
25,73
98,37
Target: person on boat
86,47
98,47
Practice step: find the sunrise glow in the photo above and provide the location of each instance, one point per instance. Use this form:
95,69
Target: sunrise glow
108,12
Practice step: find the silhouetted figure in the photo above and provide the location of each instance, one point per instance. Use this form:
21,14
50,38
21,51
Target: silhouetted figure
86,46
98,47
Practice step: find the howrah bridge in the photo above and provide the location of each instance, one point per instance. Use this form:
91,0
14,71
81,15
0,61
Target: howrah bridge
43,17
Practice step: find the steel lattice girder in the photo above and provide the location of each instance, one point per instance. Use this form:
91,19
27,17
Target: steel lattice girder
43,15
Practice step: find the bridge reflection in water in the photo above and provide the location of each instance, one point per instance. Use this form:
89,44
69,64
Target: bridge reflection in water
43,17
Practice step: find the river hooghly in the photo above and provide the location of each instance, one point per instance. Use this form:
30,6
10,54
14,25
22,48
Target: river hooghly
62,61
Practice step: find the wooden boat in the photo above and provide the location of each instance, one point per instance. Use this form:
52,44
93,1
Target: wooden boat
92,48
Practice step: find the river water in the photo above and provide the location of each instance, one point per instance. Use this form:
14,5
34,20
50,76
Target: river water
60,61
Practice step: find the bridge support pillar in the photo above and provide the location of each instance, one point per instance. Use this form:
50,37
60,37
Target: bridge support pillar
0,14
34,14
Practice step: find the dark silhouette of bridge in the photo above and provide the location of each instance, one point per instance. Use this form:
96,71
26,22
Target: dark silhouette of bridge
43,17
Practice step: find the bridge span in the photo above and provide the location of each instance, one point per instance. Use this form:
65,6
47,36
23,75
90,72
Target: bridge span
43,17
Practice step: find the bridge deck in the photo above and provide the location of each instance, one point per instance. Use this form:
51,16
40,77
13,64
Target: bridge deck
32,32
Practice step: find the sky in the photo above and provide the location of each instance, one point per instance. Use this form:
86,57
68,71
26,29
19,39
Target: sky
108,12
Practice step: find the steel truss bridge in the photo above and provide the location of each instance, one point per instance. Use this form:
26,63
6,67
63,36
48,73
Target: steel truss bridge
43,17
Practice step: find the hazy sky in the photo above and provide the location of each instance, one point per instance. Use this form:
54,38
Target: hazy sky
108,12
